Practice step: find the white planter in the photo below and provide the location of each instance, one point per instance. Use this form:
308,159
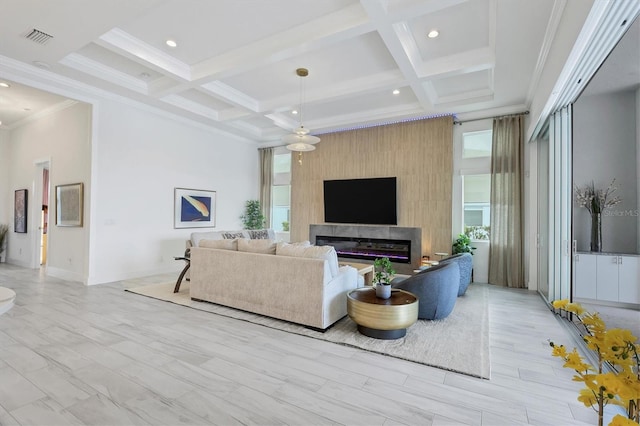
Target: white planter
480,261
383,291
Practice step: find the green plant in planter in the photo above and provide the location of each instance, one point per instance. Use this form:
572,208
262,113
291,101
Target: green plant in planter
384,271
285,226
253,217
462,244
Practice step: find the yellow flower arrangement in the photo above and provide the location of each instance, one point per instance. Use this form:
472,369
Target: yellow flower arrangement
615,347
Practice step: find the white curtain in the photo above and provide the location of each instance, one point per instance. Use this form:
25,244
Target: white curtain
266,174
506,267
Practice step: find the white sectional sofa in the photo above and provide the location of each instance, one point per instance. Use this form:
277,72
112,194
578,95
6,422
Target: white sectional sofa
292,282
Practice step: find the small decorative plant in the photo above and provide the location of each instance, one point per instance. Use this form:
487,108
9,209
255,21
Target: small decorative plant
384,271
252,217
462,244
617,348
285,226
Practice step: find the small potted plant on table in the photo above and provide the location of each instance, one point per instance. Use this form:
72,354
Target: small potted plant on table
382,278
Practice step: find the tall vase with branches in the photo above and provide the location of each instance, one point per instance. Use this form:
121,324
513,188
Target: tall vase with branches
596,201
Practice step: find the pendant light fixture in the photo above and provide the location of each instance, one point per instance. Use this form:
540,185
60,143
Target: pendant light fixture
300,140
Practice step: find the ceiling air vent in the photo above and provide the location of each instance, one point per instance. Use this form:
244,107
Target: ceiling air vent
38,36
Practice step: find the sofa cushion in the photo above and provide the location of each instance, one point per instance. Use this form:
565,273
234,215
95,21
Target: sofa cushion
220,244
314,252
257,246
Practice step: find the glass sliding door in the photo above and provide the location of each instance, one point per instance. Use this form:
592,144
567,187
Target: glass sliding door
554,207
542,236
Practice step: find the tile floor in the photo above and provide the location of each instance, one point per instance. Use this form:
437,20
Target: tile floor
71,354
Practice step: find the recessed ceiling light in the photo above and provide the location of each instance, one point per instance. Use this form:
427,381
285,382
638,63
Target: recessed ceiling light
396,92
5,85
294,112
171,43
26,109
433,34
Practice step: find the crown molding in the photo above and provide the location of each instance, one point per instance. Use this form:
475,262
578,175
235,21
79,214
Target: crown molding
41,114
549,35
30,75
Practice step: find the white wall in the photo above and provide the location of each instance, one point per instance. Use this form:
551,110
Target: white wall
63,138
604,148
5,208
139,159
638,160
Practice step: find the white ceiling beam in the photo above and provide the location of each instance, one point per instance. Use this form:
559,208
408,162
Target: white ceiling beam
126,42
377,13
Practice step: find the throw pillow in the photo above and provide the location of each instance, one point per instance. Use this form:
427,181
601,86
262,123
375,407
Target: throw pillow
283,245
232,235
315,252
220,244
259,234
196,237
290,249
257,246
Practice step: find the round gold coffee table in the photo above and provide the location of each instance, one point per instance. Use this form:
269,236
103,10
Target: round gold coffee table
382,318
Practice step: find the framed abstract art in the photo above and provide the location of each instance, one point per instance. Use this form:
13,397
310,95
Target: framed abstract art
20,211
194,208
69,204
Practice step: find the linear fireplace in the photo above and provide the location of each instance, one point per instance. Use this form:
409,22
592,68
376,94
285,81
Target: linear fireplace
398,251
364,240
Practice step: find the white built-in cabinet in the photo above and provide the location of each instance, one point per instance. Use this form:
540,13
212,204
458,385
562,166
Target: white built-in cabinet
607,277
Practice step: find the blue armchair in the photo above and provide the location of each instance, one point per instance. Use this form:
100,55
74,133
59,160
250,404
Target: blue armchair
465,263
436,288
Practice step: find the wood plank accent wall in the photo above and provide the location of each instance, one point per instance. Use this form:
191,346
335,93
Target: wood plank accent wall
418,153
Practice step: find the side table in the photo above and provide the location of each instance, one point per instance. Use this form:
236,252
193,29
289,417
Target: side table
184,271
382,318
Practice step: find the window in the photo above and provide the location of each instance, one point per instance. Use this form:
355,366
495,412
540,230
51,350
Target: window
281,191
476,183
476,210
477,144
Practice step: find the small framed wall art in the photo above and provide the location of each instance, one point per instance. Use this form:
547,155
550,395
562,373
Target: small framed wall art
20,211
69,204
194,208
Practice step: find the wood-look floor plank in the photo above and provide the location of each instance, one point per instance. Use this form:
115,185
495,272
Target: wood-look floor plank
99,355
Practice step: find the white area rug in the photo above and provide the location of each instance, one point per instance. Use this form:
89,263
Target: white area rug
457,343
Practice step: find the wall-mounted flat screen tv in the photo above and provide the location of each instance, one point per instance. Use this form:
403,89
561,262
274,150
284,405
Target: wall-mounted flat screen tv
369,201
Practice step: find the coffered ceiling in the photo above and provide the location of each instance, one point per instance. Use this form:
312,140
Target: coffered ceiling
234,64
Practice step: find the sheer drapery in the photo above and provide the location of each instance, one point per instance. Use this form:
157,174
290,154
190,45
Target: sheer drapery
266,174
506,242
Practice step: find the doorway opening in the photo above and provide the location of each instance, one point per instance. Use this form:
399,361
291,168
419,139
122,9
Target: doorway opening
40,213
44,219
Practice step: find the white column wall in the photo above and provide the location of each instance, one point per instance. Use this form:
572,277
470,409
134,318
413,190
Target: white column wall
4,179
139,158
638,166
